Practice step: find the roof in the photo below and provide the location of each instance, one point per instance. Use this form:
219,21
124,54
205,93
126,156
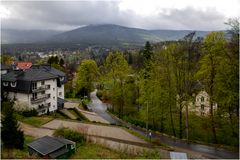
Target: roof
23,65
24,78
46,145
58,153
50,69
28,75
60,100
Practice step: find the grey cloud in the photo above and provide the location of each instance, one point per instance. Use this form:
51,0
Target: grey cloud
65,15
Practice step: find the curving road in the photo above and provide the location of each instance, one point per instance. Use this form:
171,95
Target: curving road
100,108
211,152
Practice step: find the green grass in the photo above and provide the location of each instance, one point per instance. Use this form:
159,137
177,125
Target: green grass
17,153
34,121
73,113
93,151
78,100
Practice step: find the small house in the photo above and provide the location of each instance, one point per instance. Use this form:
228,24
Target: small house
202,103
51,147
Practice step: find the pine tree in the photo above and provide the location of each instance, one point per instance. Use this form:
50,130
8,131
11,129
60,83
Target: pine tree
61,62
12,136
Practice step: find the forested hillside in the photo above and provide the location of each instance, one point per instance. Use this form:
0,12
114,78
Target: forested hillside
153,87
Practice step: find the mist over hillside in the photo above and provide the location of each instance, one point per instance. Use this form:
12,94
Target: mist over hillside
106,35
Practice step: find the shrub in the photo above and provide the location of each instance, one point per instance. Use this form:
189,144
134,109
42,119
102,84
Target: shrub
29,113
75,136
99,94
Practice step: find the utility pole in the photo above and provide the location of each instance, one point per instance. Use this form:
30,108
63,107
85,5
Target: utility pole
187,122
147,120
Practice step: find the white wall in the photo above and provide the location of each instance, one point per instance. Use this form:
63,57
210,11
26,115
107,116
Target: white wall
53,91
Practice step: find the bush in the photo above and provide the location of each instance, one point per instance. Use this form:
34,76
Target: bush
29,113
85,102
99,94
75,136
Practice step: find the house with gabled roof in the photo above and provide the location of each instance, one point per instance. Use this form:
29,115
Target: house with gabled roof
40,87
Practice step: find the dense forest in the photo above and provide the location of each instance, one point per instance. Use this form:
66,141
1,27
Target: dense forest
153,87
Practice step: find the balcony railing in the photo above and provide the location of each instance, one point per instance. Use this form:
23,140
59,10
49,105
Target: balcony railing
41,88
42,108
39,98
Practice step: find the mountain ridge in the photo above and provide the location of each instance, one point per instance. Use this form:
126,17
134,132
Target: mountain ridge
101,34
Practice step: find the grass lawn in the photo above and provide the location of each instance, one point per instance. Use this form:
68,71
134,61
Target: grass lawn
93,151
36,121
73,112
17,153
78,100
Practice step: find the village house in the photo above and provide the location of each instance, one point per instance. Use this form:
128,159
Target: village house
39,87
22,65
202,103
51,148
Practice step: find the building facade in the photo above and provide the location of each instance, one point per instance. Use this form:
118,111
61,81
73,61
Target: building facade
202,103
40,87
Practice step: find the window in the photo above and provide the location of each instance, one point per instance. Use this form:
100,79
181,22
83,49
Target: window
48,86
34,85
34,95
202,99
53,97
42,82
13,84
54,89
61,78
49,104
5,84
43,92
60,93
202,107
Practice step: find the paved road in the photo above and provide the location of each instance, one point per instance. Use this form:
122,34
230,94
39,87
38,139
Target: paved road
100,108
208,151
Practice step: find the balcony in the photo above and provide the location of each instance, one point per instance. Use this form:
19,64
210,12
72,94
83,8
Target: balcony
41,88
39,99
42,108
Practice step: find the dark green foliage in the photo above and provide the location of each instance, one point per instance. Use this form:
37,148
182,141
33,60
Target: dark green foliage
148,51
100,94
11,135
29,113
61,62
72,135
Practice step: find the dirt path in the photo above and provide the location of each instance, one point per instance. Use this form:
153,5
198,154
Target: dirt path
91,129
91,116
34,131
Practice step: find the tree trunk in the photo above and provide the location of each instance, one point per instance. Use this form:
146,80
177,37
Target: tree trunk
161,121
211,100
180,121
187,122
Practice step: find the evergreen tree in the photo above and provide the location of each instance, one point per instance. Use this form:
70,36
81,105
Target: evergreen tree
12,136
61,62
56,60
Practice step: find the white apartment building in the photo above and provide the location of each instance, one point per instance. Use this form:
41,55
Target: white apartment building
40,87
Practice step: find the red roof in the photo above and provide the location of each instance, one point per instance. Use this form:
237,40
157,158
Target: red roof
23,65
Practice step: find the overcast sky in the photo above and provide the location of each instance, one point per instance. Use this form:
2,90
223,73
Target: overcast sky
147,14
